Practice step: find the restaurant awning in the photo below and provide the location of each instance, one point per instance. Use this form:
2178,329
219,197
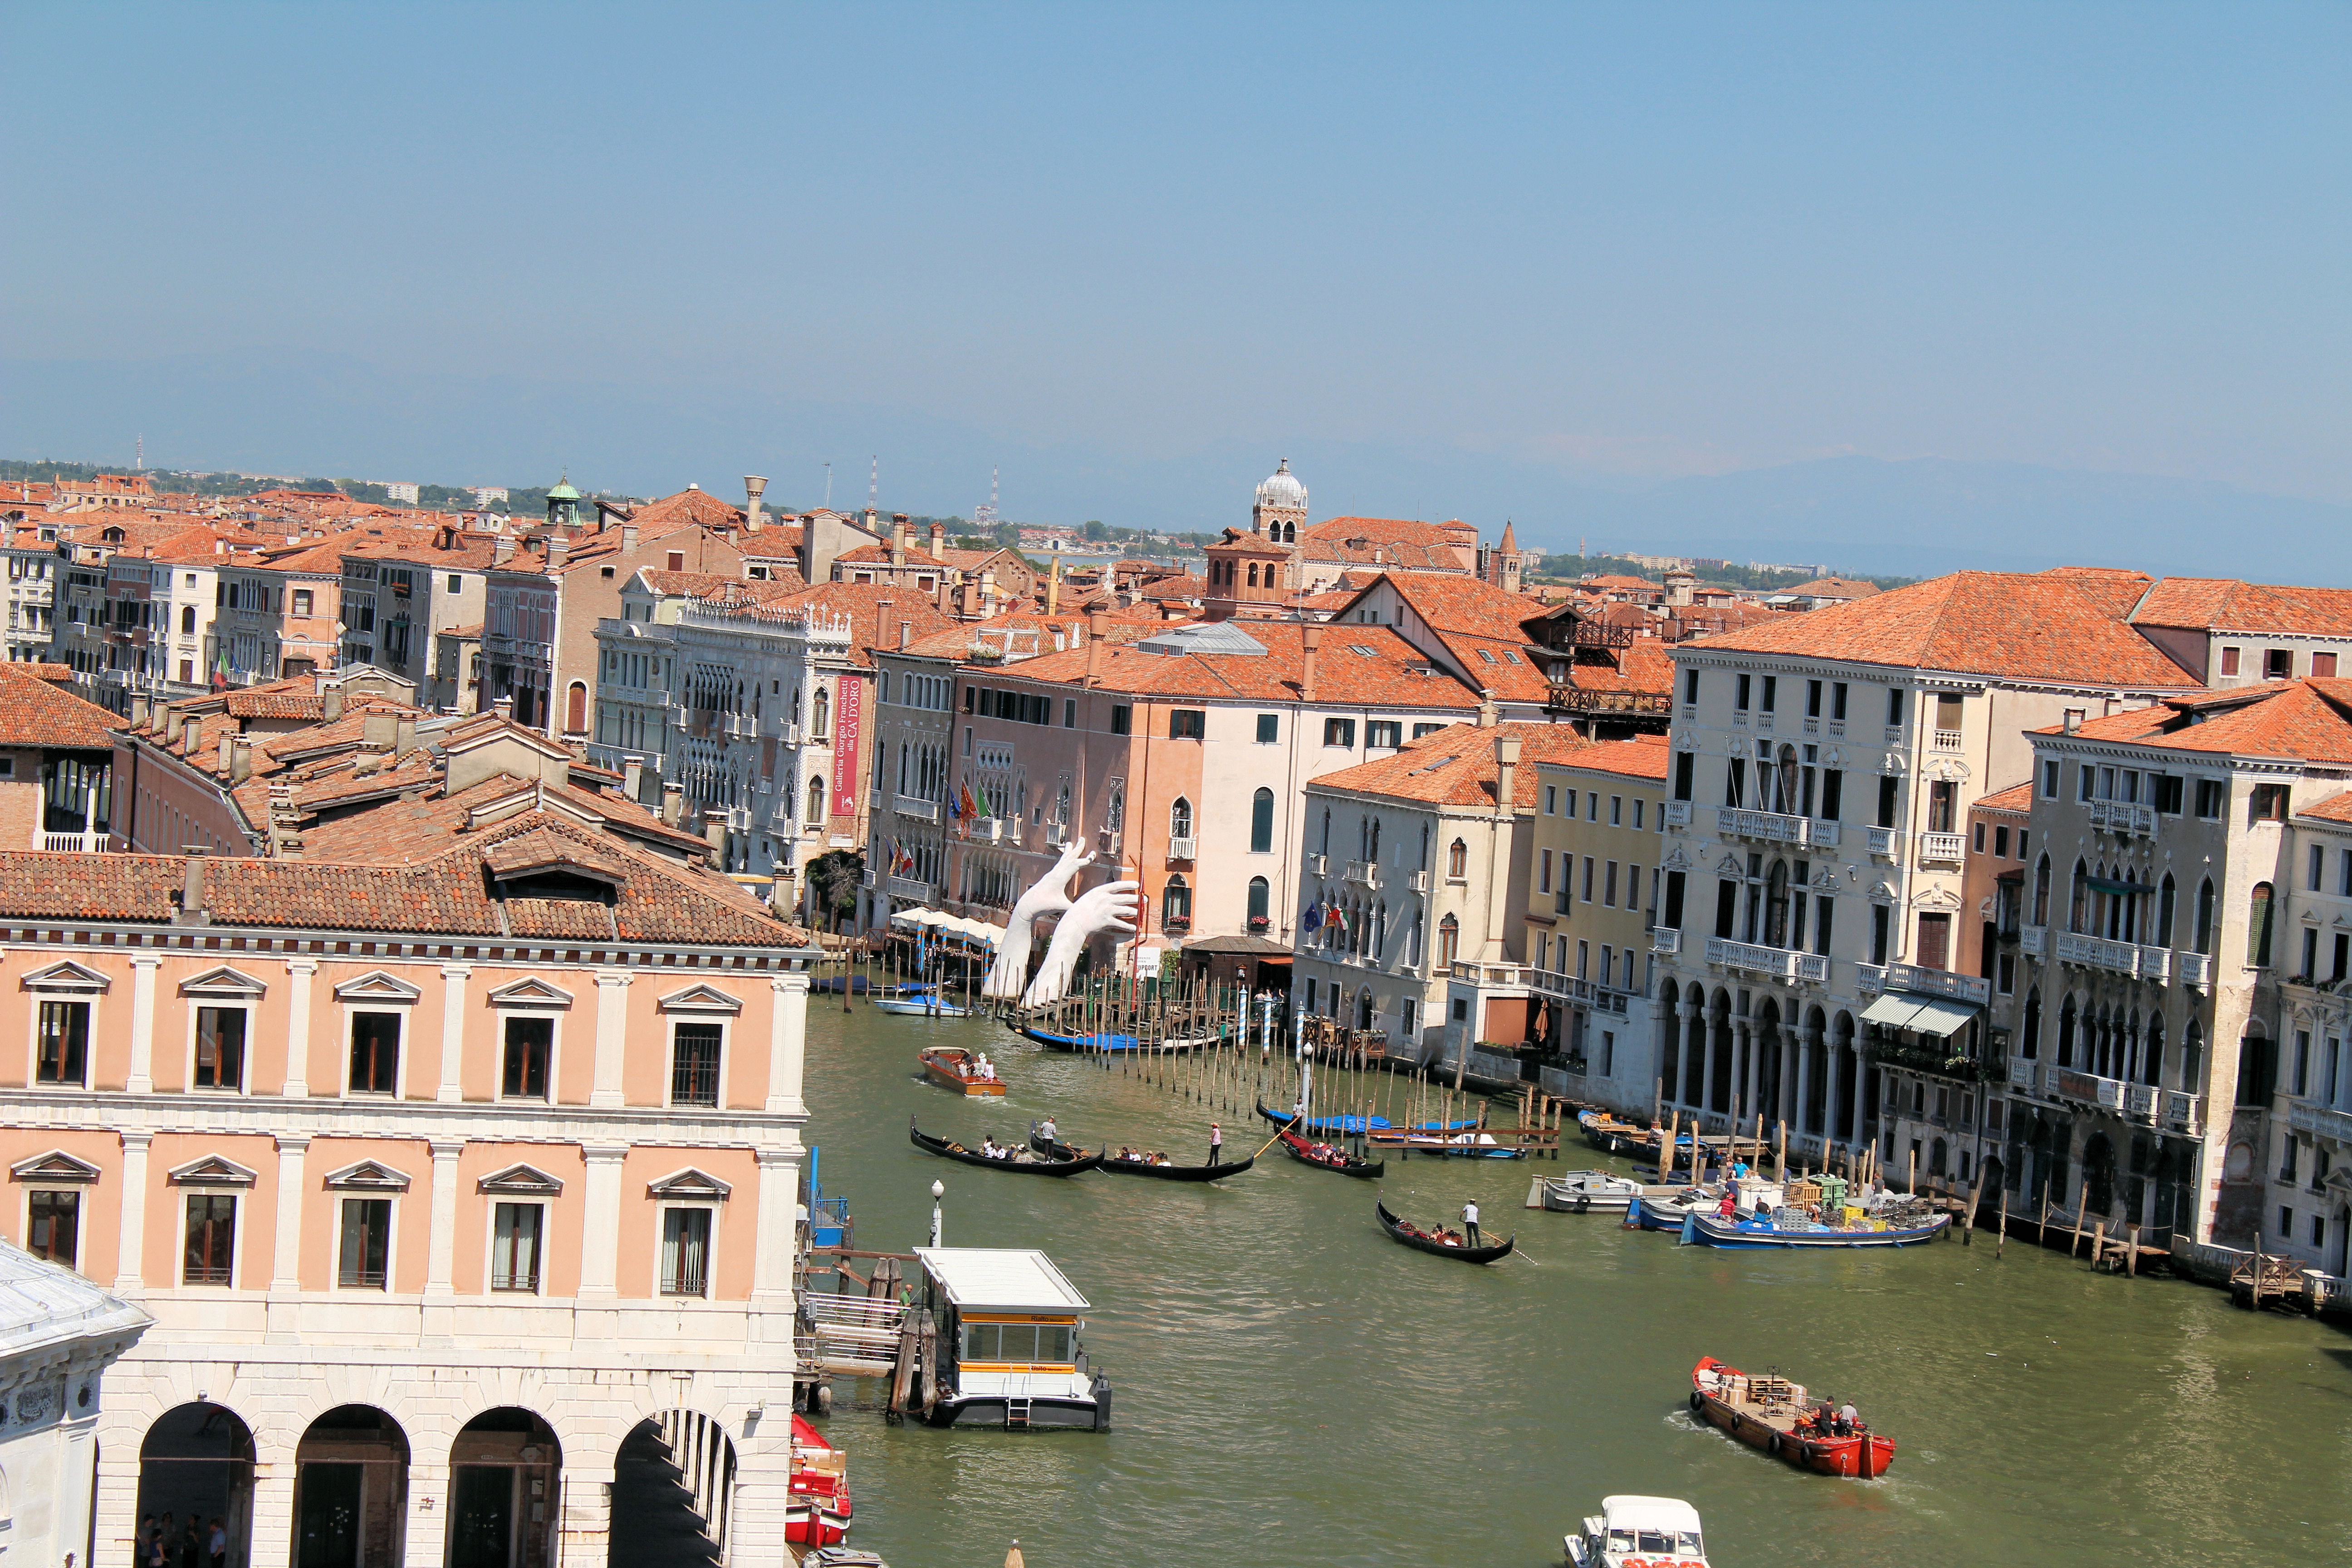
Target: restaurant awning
1937,1016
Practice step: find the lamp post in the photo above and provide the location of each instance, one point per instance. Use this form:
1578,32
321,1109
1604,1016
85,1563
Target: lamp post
938,1191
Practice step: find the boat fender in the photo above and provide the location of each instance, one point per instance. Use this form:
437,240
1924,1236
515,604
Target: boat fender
1584,1203
1698,1400
1772,1445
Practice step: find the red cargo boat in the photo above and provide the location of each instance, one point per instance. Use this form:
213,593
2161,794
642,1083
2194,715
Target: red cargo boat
816,1510
1771,1413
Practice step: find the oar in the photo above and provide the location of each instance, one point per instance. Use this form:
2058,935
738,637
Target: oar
1516,1253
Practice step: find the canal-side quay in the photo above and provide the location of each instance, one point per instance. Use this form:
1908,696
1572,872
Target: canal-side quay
1294,1388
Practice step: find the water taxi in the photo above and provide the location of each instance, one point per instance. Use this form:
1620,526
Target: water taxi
952,1066
1771,1413
1009,1327
1640,1532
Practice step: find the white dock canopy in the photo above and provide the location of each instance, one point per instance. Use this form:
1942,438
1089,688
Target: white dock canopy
1000,1280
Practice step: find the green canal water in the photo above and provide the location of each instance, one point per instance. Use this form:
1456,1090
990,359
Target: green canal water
1293,1388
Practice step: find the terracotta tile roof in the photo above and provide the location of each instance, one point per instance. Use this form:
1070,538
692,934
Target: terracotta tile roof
2062,626
1606,581
1833,587
35,712
1185,585
2018,798
875,610
1392,674
2310,720
2334,808
1645,757
687,508
2225,603
1387,542
692,585
1456,766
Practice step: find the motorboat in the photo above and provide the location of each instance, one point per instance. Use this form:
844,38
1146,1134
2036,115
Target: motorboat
1639,1532
817,1505
1585,1191
921,1002
1770,1222
1769,1412
952,1066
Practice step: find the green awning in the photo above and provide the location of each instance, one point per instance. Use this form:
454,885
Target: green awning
1892,1011
1942,1017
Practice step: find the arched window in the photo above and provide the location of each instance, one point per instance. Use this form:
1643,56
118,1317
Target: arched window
1775,905
2192,1057
1457,865
1258,895
1176,905
821,713
1262,823
2166,896
2066,1033
575,708
1423,861
2151,1060
2078,899
2041,892
1412,940
1380,941
2030,1035
1253,574
2258,927
1364,1009
1180,819
1375,855
1449,941
187,620
1327,823
1115,808
2205,917
816,801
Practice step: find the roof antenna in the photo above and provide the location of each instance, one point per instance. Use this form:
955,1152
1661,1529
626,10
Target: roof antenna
828,487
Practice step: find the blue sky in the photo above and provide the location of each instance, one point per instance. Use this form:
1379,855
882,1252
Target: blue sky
1450,260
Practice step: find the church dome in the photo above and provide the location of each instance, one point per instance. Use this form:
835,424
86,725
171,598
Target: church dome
1282,489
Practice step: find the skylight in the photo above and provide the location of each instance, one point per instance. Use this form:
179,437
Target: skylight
1361,649
1486,655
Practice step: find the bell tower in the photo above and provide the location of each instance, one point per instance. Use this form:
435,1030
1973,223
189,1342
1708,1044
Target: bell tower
1281,509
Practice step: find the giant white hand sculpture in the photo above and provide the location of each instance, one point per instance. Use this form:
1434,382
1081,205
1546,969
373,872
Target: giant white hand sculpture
1048,895
1110,908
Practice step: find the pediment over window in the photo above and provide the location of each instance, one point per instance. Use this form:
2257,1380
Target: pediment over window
531,992
689,1184
212,1171
377,985
701,999
67,976
1730,867
522,1181
369,1176
56,1165
223,981
1676,860
1936,899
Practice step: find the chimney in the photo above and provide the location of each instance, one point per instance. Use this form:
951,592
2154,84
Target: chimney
633,777
2072,722
754,487
1098,622
403,735
559,551
1489,713
227,745
629,539
138,708
502,550
987,592
1053,584
673,805
192,889
905,635
331,704
898,539
1310,639
1507,768
939,542
378,731
504,708
240,759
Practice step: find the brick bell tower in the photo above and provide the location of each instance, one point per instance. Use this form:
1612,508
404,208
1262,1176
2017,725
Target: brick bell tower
1250,573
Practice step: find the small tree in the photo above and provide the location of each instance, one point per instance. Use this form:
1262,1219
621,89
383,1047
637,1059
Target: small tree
834,878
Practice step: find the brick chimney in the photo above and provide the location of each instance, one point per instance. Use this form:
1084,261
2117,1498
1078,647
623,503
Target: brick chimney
1310,639
1097,625
192,887
240,759
939,542
1507,768
898,539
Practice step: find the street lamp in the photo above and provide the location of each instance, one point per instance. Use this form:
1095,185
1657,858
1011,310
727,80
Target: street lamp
938,1191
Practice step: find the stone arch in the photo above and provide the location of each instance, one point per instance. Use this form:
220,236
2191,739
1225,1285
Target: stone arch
2098,1175
196,1460
351,1490
505,1491
676,1469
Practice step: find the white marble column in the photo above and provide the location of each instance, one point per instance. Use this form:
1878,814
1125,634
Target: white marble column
299,973
788,1043
600,1250
127,1279
142,1079
778,1229
453,1032
441,1248
285,1247
612,1038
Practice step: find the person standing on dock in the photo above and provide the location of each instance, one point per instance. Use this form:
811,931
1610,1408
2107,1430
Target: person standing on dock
1216,1145
1470,1222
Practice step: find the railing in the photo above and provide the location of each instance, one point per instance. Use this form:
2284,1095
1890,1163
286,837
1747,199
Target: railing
2184,1112
2196,968
1663,940
1771,826
1947,741
1837,728
1820,833
866,878
1910,977
2122,817
74,843
1942,848
1678,814
1490,974
1364,873
2089,1088
920,810
1812,726
2114,956
2034,941
910,887
1600,998
1058,834
2024,1075
2320,1120
1416,881
1316,865
1777,961
1568,697
1181,848
2140,1100
1886,843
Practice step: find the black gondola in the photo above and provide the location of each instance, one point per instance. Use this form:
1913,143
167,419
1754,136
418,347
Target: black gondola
1110,1165
947,1151
1342,1163
1396,1232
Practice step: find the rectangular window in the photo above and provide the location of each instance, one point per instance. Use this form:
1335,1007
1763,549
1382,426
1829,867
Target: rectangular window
2316,863
2050,780
366,1244
1588,879
301,601
1609,886
515,1233
685,1252
1832,795
2005,975
694,1064
2087,783
64,1055
1388,732
220,1047
1069,712
1639,805
1187,725
2278,664
1740,691
1685,774
2323,666
1976,842
1935,941
1879,922
53,1225
212,1239
1551,800
1419,731
2164,794
2268,804
1338,732
1676,883
1269,728
1616,811
2229,661
2001,842
2344,873
2211,795
529,1044
1813,700
1122,722
1837,700
2302,1059
1735,782
1823,910
376,1052
1726,907
1888,786
1690,685
1543,883
2310,956
1771,692
1895,705
1583,960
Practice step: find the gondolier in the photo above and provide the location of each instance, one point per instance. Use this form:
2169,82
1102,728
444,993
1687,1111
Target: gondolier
1216,1145
1470,1222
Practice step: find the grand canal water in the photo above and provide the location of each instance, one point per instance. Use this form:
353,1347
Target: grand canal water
1293,1388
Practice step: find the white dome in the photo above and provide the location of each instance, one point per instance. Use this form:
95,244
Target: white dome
1282,489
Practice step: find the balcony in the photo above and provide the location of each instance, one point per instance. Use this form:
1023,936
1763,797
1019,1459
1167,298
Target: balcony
1777,963
1569,698
1569,988
1364,873
75,843
2321,1121
1820,834
920,810
1885,843
1181,848
2088,1089
1812,726
2195,969
1921,982
1504,974
1678,814
1768,827
2024,1076
1664,941
1416,881
2034,941
2116,957
1317,865
2122,817
909,888
1942,848
1837,728
2184,1112
1947,741
1058,834
2140,1100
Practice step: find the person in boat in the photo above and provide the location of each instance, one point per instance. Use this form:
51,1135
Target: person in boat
1849,1420
1728,1208
988,1148
1763,1210
1216,1145
1047,1131
1470,1221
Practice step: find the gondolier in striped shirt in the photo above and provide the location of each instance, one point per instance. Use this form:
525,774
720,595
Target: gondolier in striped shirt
1470,1222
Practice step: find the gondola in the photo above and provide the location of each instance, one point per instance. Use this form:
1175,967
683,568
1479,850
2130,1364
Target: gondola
1298,1148
1111,1164
1398,1231
948,1151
